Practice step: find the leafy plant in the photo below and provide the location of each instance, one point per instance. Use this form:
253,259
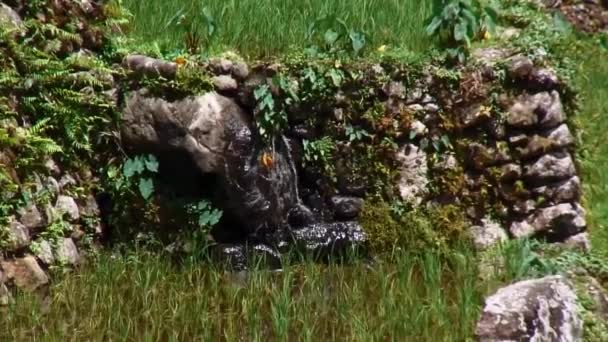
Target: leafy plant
459,22
199,31
356,133
331,34
135,172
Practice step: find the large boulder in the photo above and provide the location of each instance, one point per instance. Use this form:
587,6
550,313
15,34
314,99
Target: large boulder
532,310
201,125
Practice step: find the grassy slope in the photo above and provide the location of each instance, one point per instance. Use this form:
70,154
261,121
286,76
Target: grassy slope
257,28
592,79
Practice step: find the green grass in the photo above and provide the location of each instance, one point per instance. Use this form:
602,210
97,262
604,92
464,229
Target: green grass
592,80
146,298
259,28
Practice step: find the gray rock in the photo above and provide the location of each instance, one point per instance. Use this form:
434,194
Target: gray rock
431,108
488,234
551,167
67,252
67,180
521,67
25,273
221,66
413,173
5,295
195,125
551,140
52,167
543,79
490,56
579,242
18,235
533,310
419,128
143,65
542,108
31,218
560,136
551,113
395,89
89,207
52,185
524,207
10,18
563,191
45,252
415,107
225,84
562,220
346,208
240,71
66,205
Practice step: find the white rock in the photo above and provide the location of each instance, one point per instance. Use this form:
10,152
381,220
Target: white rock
67,205
533,310
413,173
488,234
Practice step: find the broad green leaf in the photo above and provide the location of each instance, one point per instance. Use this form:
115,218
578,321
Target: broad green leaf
460,32
331,37
146,187
358,41
151,163
432,28
133,166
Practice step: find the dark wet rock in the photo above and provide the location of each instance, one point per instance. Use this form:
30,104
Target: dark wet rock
300,216
239,257
143,65
31,217
557,222
25,273
551,167
487,234
510,172
327,240
532,310
346,208
474,115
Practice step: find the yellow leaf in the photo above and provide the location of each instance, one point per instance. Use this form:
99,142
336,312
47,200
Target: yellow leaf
382,48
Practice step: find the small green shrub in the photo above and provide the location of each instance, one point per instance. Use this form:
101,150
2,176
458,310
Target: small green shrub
395,228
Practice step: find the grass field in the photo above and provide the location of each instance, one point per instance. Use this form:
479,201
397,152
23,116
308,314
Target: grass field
146,298
257,28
